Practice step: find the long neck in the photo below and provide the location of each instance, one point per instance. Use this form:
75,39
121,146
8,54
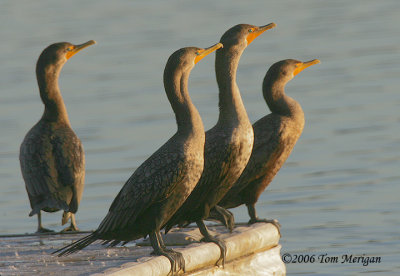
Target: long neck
187,117
231,105
47,78
278,102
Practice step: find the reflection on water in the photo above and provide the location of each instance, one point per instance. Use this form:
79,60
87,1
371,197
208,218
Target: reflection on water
338,192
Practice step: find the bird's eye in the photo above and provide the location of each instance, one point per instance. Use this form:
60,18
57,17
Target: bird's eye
69,49
251,30
197,53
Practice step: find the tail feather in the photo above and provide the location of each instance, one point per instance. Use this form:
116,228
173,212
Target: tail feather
125,242
105,242
168,226
171,224
49,203
77,245
112,243
166,229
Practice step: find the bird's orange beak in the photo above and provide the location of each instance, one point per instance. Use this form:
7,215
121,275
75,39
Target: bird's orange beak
257,31
76,48
303,65
204,52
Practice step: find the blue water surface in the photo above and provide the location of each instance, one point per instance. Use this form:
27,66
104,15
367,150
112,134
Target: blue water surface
337,194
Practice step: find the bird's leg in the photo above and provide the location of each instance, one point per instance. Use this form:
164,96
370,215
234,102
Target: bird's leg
224,216
73,226
161,241
179,257
254,219
40,228
176,258
209,238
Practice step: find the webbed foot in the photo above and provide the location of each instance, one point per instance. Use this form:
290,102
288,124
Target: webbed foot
224,216
254,218
176,258
222,246
42,230
207,237
273,221
71,228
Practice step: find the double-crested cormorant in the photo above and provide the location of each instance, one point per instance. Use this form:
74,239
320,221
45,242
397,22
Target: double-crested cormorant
163,182
229,143
51,155
274,138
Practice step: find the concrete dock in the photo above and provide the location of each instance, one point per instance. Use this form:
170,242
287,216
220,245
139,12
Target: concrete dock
251,250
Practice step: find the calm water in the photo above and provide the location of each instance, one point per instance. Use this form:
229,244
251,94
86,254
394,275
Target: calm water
339,191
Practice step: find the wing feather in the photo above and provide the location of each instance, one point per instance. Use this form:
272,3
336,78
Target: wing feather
52,164
152,182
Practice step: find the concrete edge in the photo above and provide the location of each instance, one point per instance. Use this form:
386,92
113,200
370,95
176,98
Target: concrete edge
266,263
260,237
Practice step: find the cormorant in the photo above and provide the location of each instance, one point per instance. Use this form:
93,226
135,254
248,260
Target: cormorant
274,138
162,183
51,156
229,143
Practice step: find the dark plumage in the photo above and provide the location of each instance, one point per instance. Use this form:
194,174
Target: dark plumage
274,138
163,182
228,144
51,155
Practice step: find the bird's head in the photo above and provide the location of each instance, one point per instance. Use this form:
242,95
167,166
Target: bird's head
186,58
287,69
243,34
58,53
